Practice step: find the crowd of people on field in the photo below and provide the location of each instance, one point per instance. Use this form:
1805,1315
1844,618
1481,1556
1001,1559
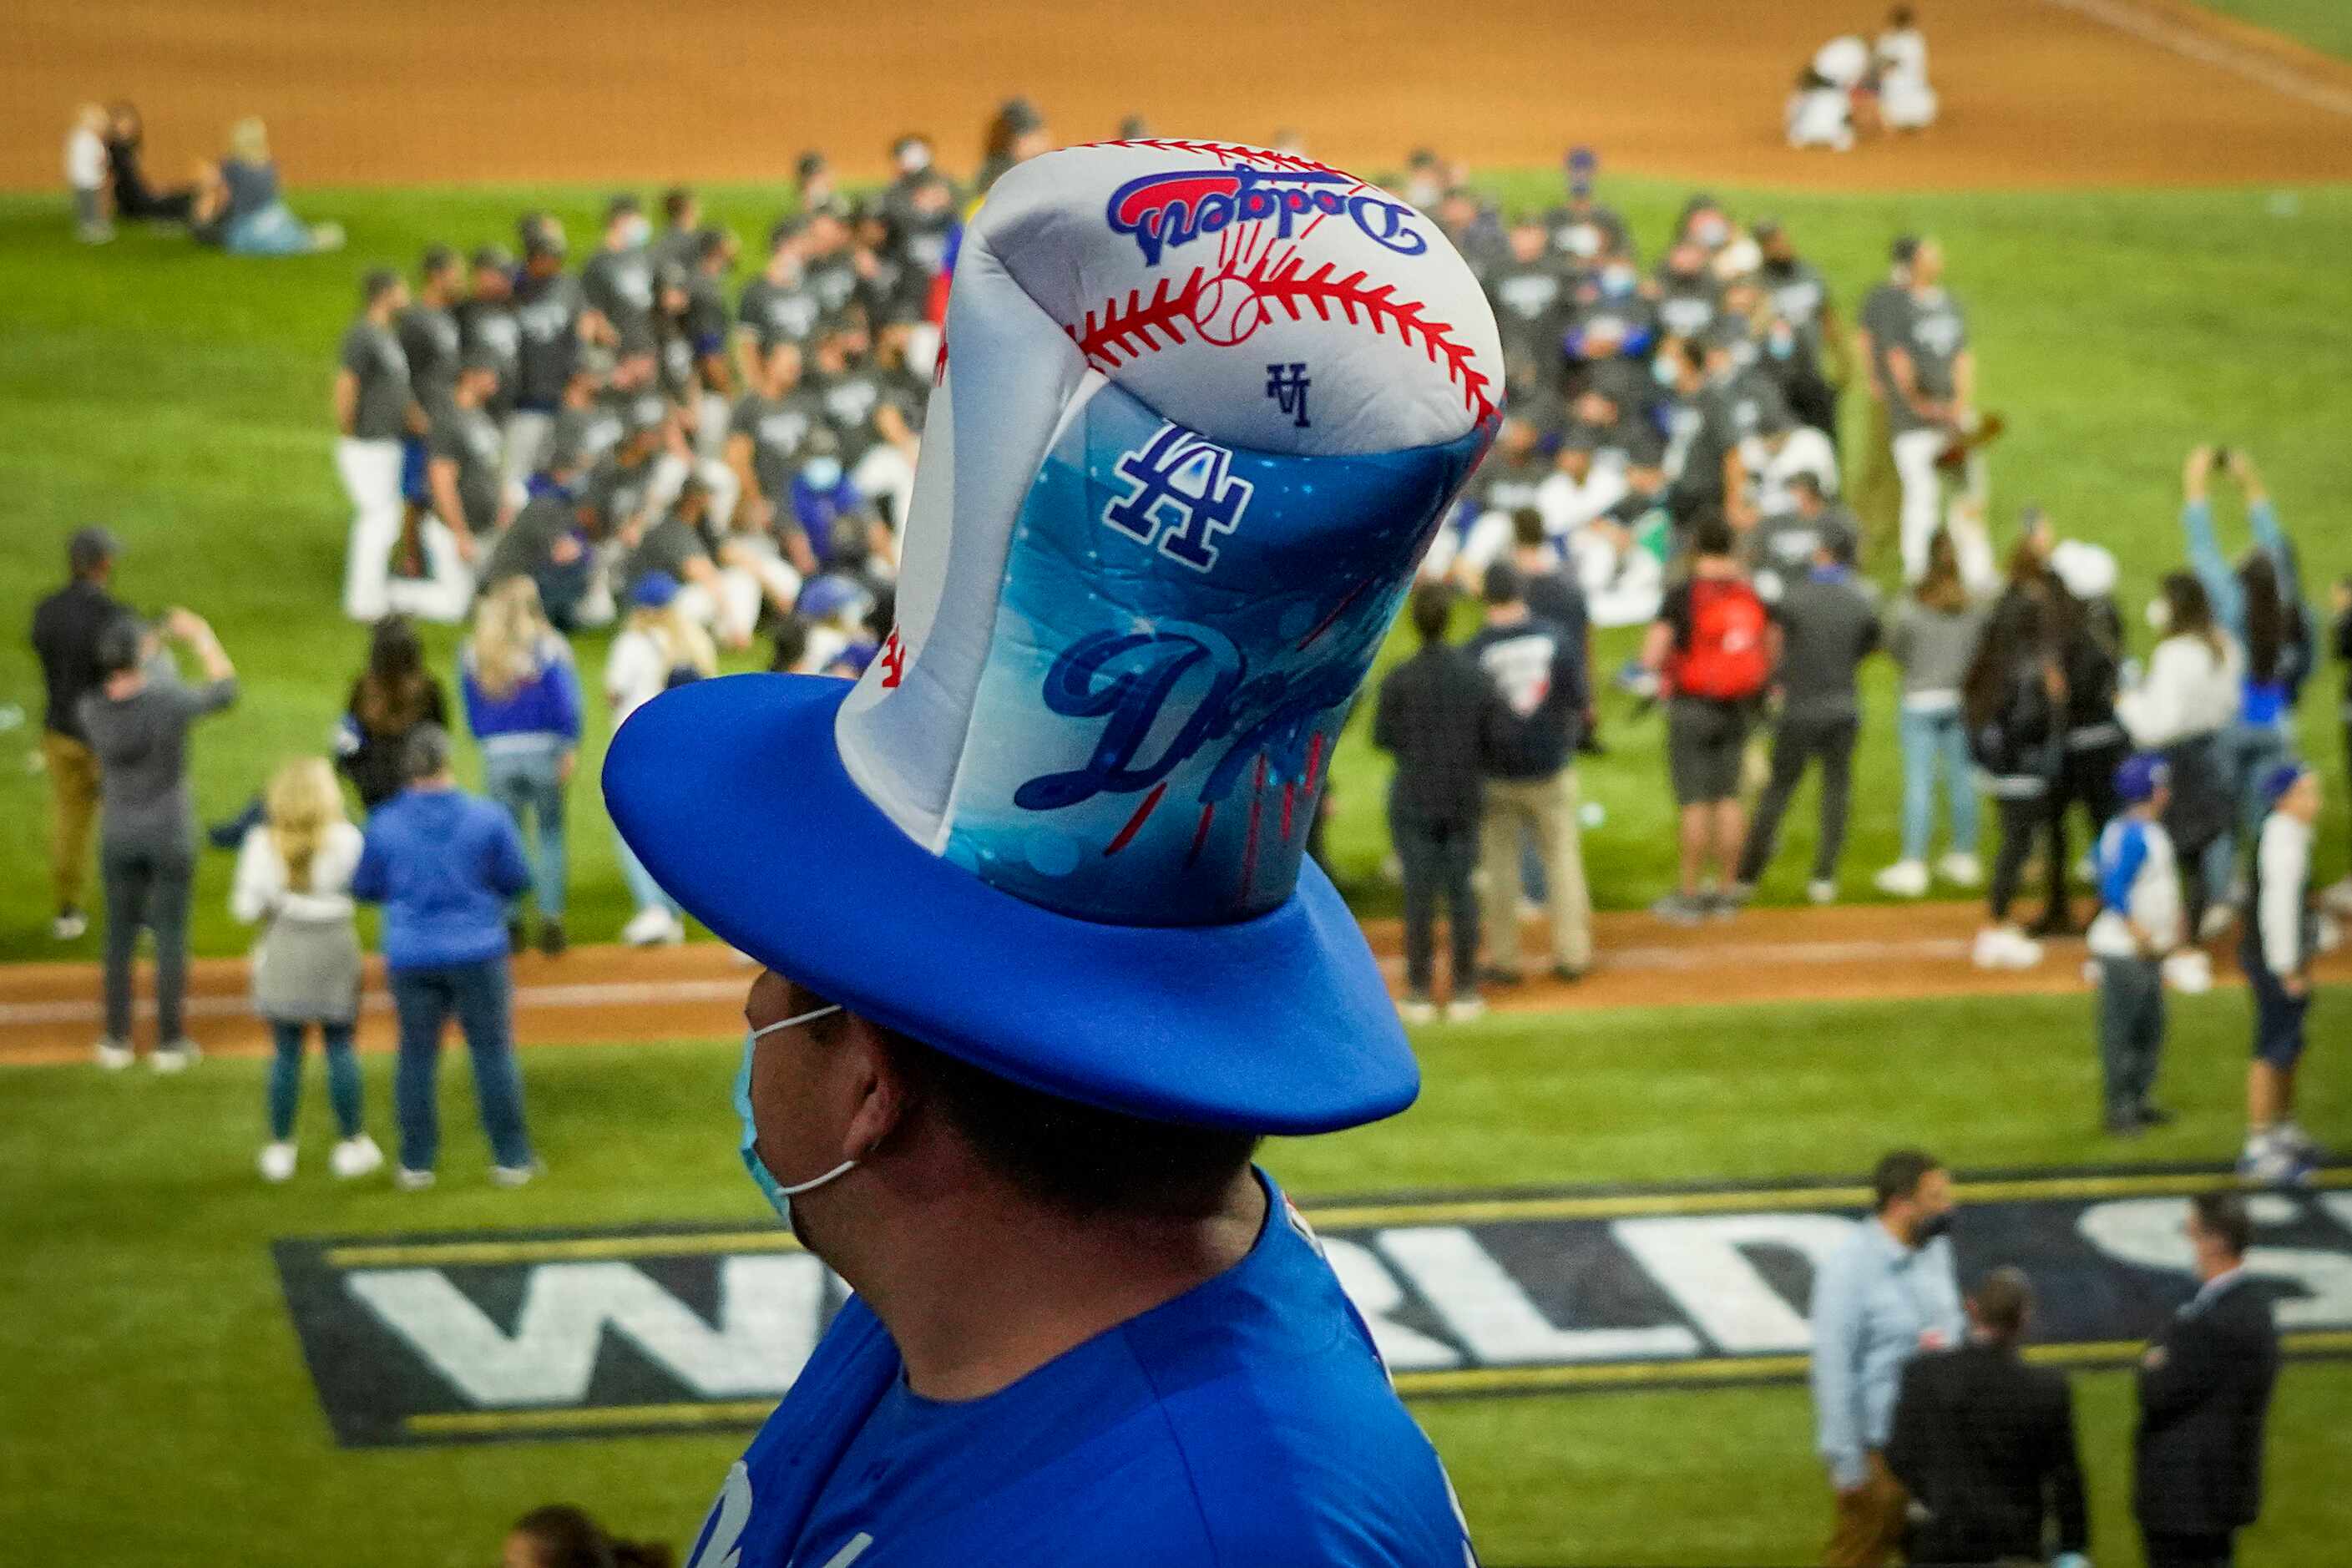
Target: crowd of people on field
1852,88
639,442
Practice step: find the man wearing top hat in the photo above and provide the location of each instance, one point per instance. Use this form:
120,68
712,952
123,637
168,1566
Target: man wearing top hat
1201,411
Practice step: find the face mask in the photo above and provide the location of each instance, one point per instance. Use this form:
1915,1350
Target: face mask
1710,231
1617,281
1933,1226
635,231
779,1195
2159,617
1782,342
822,473
1663,371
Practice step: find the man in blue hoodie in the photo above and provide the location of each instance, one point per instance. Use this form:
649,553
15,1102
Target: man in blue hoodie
444,865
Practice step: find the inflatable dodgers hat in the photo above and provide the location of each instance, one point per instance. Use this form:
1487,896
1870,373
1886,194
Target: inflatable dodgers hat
1201,408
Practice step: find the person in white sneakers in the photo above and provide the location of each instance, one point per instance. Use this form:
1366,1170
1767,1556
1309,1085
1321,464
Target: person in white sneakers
2138,923
1933,638
2275,949
658,648
293,880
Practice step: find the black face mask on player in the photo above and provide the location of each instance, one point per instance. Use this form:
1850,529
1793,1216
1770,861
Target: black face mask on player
1932,1226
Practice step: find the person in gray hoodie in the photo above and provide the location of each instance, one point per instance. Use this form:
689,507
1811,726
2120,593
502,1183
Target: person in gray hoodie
1932,640
137,721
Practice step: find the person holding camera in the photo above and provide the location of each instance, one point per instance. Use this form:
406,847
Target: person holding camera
137,722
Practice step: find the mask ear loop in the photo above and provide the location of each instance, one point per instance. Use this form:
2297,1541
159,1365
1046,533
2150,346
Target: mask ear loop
794,1189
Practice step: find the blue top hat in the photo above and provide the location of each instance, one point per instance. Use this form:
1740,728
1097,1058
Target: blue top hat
1201,408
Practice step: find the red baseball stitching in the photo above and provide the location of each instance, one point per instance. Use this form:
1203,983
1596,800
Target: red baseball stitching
1119,332
1226,152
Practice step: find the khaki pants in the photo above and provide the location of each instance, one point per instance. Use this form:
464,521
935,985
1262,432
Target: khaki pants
1547,809
1870,1519
73,807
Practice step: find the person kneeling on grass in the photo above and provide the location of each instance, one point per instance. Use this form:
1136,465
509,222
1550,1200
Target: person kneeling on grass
444,864
2279,937
2138,923
293,879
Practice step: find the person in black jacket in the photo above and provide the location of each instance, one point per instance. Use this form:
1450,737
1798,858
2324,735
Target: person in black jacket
1433,715
2204,1394
392,698
1985,1443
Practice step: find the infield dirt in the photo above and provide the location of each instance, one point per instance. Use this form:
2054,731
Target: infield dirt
2037,93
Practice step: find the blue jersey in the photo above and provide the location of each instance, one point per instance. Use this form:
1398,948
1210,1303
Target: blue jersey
1246,1424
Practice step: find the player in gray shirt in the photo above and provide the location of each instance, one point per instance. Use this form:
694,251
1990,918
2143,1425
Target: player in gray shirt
1931,381
617,284
137,721
463,456
1829,624
428,328
374,413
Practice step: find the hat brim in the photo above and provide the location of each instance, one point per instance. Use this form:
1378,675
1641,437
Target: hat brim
733,795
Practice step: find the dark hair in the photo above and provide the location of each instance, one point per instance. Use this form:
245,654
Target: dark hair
426,754
89,548
1526,527
379,281
2001,1300
564,1536
676,201
1898,1176
2267,617
119,643
1433,607
1501,585
2190,612
790,634
1711,533
2226,1216
393,691
436,259
1901,16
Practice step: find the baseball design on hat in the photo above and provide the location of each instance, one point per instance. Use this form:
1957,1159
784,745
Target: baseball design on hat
1203,408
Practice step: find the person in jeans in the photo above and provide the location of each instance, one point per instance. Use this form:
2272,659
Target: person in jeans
1713,647
444,864
2013,700
523,702
293,879
1433,715
137,721
1934,636
65,628
2138,923
1537,665
1828,626
657,647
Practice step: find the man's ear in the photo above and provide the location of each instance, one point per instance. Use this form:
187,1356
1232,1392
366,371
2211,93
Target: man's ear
885,1092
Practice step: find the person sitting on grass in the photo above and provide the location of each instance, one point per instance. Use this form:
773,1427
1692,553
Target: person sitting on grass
240,207
2275,949
293,880
446,865
2137,926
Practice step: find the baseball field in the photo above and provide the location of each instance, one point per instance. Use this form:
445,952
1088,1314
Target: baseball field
2147,209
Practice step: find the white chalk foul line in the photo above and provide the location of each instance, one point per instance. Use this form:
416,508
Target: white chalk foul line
2189,44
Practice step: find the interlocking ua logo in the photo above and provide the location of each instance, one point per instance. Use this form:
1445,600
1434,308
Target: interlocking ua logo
1164,211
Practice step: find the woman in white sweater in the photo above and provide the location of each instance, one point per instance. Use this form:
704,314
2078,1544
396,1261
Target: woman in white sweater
293,879
2183,709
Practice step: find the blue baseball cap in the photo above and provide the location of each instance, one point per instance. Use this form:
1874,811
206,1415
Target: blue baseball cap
654,590
2280,779
2140,776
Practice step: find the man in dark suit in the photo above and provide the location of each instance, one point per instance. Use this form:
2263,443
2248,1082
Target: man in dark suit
2204,1393
1985,1443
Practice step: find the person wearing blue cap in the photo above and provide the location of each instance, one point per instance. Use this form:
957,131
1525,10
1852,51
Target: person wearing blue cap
2275,949
2138,923
1070,961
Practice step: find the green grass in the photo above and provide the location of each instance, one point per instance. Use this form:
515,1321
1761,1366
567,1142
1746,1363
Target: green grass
158,1412
179,396
2325,25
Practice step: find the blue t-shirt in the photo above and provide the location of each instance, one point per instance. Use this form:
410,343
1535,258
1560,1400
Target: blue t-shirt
1246,1424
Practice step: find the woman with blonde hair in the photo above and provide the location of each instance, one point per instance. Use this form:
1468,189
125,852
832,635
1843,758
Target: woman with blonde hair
659,647
293,879
240,206
523,702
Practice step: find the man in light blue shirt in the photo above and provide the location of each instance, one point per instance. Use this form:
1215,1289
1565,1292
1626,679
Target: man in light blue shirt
1889,1292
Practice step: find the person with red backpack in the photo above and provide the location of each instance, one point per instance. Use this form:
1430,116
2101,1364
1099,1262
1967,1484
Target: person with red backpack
1828,625
1714,648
